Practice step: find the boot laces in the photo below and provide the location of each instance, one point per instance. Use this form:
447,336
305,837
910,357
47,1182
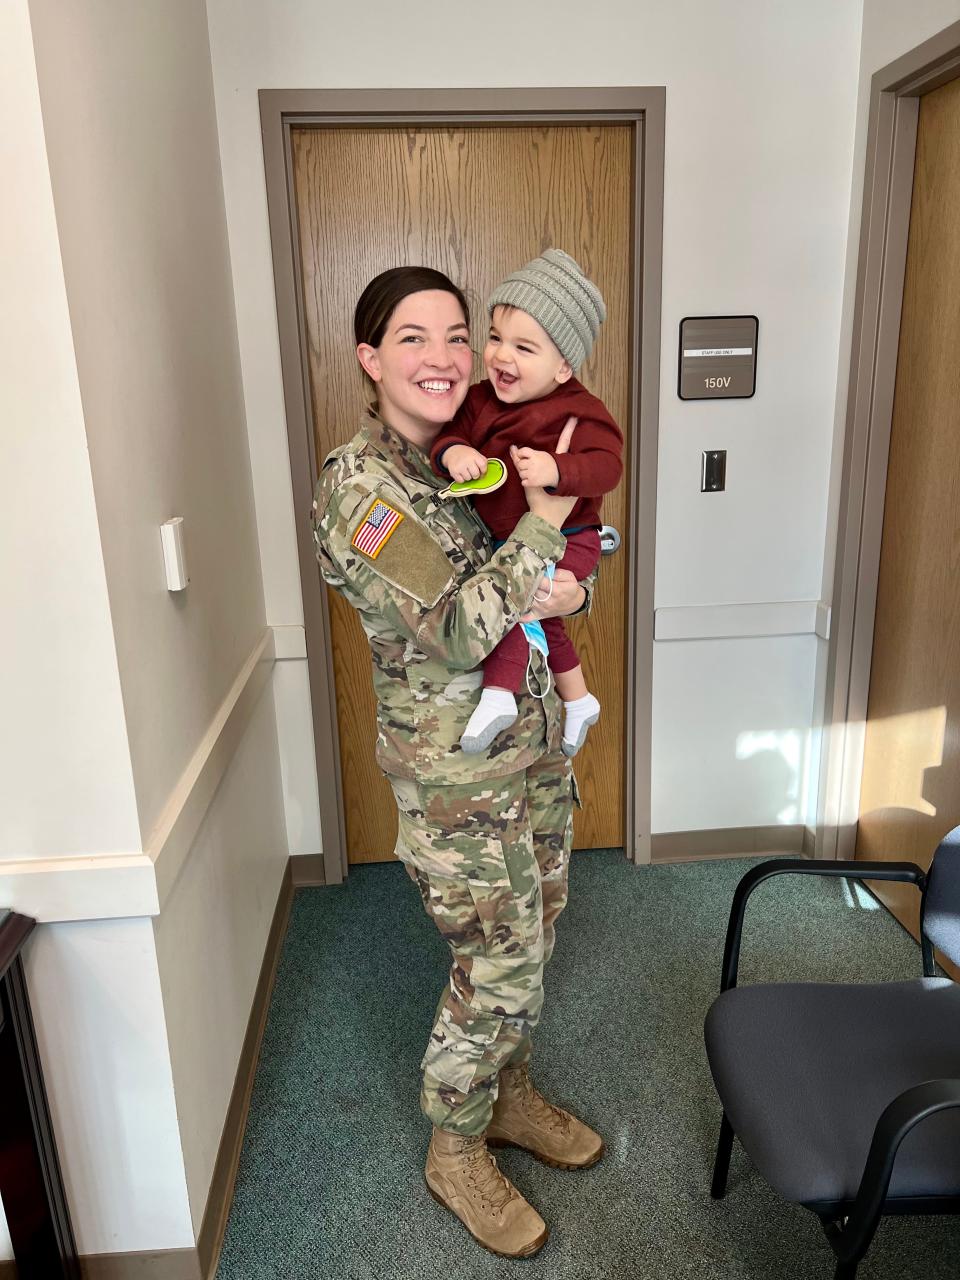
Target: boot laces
491,1187
536,1105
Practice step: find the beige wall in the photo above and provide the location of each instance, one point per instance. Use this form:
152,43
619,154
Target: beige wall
128,111
121,372
760,113
65,780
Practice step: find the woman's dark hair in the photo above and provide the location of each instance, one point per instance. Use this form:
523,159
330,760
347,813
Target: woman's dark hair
386,291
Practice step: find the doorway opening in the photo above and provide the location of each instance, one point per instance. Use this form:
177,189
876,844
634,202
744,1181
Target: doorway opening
474,183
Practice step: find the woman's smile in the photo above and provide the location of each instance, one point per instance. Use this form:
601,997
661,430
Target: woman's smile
436,386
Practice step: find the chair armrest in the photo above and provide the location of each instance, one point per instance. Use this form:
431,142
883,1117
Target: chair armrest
899,1117
905,871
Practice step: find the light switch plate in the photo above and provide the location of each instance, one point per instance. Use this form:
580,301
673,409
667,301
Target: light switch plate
713,471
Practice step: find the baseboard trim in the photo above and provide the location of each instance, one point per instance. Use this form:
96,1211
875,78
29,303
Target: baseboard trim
220,1196
307,871
726,842
164,1264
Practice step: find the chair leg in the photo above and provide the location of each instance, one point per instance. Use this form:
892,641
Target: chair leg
722,1164
846,1271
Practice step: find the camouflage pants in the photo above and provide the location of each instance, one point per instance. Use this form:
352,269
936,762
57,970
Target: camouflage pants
490,860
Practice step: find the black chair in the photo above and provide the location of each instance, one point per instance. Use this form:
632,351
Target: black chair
846,1095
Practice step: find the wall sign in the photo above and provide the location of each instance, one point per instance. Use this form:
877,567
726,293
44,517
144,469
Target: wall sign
718,357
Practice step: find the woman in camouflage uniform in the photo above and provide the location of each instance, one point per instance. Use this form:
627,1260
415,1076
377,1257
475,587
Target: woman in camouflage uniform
485,837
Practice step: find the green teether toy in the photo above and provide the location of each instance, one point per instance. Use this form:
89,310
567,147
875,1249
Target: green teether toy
491,480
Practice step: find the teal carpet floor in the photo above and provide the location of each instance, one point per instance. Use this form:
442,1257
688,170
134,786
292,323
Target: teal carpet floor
330,1181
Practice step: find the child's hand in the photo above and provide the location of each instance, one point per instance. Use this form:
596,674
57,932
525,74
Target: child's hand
463,463
535,468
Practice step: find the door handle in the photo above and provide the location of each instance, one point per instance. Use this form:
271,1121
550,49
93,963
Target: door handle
609,540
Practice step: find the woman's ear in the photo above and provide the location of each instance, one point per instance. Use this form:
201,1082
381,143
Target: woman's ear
563,374
369,358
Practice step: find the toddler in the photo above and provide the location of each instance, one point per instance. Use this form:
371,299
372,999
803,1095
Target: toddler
543,322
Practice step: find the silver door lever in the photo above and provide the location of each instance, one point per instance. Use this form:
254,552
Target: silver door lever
609,540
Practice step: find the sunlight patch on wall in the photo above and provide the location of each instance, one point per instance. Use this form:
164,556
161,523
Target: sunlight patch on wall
786,753
898,750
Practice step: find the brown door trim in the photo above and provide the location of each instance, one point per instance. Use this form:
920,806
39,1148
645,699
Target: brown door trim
887,192
281,110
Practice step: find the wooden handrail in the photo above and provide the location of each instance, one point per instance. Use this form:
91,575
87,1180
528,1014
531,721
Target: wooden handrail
14,931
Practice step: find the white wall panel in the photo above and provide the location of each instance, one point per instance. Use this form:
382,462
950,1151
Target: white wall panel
96,999
291,691
210,940
731,720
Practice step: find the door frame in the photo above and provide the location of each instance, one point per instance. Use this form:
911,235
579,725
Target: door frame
895,94
282,110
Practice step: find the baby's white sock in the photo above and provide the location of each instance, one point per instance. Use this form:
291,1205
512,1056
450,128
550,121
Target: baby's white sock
496,710
579,715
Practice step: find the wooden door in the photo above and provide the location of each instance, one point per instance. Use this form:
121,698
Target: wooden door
910,793
475,203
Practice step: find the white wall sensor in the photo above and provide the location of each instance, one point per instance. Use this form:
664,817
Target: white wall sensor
174,560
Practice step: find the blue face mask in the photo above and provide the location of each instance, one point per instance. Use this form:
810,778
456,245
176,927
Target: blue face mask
534,630
536,636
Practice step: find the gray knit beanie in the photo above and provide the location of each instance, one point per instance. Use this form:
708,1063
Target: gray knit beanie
561,299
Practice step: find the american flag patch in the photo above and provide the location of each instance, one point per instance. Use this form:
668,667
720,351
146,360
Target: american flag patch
379,524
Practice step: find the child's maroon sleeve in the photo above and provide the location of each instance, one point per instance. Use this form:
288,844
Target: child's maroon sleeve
594,464
457,431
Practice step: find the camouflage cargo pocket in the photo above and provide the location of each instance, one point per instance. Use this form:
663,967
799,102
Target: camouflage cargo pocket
459,1048
477,835
523,874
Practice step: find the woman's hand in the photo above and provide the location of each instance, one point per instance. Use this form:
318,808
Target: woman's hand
549,506
567,597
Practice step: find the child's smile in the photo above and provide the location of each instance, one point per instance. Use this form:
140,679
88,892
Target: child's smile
520,358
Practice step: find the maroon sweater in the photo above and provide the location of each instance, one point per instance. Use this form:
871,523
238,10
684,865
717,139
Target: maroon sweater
592,467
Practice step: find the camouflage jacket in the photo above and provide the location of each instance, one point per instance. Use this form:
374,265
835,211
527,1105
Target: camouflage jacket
433,603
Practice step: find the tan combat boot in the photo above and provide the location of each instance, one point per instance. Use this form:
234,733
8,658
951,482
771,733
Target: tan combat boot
462,1175
522,1117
